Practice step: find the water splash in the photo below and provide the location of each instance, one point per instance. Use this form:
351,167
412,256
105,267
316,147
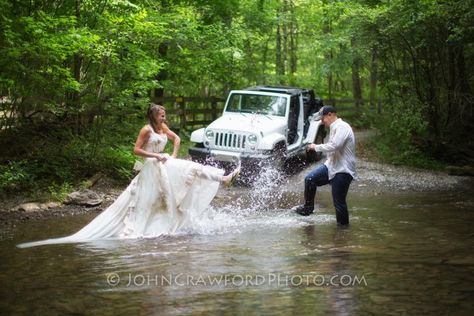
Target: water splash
265,190
258,206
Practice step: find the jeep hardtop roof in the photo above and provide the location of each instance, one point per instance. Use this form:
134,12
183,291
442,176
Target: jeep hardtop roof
279,89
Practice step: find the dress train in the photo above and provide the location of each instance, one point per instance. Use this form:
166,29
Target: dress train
161,199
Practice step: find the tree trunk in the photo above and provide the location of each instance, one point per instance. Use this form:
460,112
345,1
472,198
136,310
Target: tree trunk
74,97
284,14
162,75
356,82
264,60
373,80
328,55
293,39
280,68
458,88
464,85
330,77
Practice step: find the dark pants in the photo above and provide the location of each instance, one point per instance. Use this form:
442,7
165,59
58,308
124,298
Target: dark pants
340,186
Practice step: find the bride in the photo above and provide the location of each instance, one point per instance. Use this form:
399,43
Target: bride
163,197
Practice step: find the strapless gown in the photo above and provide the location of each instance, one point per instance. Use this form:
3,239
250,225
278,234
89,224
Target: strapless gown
161,199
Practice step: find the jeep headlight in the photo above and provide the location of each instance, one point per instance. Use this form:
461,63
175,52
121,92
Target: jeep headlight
252,139
209,134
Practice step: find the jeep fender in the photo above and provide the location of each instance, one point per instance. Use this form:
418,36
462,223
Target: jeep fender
313,131
198,136
268,142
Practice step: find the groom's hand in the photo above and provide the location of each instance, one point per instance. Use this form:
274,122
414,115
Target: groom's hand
311,147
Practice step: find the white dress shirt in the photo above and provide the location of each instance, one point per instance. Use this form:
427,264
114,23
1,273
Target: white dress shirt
340,149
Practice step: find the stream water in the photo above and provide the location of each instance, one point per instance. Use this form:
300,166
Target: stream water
403,254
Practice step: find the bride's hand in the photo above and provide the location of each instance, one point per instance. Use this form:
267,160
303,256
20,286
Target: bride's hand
161,158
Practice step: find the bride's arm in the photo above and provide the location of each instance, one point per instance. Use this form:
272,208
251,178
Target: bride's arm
175,138
141,141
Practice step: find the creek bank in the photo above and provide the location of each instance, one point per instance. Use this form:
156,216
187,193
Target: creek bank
372,178
95,199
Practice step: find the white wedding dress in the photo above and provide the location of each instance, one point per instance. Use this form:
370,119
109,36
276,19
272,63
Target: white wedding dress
161,199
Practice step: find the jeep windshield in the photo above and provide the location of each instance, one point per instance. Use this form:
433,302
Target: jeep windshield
257,103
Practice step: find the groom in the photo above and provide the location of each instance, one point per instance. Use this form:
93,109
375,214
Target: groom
338,169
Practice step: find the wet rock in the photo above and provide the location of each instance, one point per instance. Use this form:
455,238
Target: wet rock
84,197
50,205
29,207
32,207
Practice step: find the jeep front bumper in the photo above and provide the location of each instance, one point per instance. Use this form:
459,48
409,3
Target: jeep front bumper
226,156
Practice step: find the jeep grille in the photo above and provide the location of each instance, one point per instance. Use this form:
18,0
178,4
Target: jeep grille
230,140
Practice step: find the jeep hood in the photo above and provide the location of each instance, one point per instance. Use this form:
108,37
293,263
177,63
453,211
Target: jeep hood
249,123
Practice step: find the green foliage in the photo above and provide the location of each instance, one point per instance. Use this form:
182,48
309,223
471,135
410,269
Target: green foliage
365,118
76,76
61,160
14,175
59,192
117,161
403,130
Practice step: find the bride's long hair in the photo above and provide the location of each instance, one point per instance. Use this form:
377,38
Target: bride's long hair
153,111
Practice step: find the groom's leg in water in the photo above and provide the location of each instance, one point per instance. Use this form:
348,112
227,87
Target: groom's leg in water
314,179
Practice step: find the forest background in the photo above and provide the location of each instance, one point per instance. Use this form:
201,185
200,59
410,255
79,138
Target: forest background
76,76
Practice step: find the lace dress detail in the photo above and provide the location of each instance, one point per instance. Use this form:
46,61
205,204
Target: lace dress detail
162,199
156,142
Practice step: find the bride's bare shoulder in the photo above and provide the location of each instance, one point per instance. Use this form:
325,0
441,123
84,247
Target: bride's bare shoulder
146,128
145,131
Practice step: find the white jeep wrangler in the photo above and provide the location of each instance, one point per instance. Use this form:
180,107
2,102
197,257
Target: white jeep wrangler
262,123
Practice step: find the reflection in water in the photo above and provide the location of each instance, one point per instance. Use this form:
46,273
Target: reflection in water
328,262
341,298
413,251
